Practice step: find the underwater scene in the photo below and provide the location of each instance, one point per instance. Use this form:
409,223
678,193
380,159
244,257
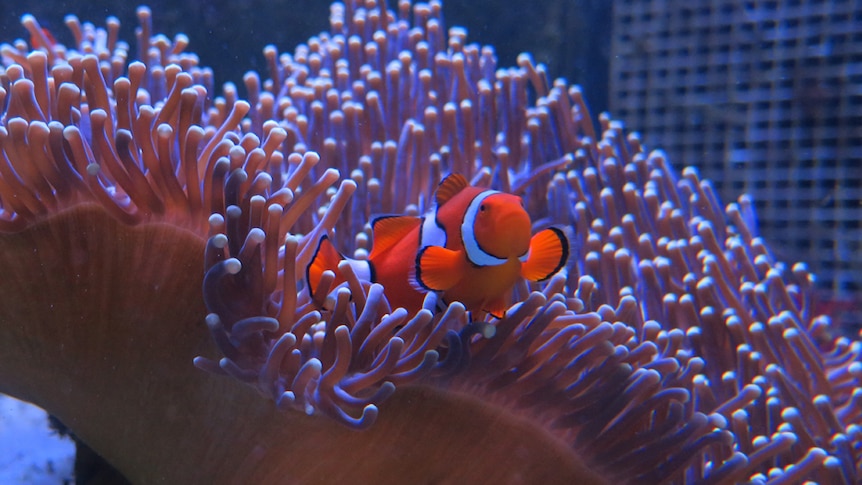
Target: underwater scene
402,242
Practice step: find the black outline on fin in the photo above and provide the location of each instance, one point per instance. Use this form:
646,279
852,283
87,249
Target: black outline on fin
564,240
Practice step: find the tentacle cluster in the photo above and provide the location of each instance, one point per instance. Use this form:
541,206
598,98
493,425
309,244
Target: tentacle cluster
341,357
694,279
143,139
377,113
393,102
674,336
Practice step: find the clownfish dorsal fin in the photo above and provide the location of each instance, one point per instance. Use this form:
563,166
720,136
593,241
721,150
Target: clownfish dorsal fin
549,251
449,186
438,268
388,230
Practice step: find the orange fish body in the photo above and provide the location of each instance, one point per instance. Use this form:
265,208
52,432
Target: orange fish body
392,259
471,249
42,39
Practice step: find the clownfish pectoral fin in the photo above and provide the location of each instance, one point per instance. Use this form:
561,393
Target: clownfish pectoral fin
437,268
549,251
388,230
326,257
449,186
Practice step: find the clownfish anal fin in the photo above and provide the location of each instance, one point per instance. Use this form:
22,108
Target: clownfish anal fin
497,307
449,186
326,257
549,251
388,230
437,268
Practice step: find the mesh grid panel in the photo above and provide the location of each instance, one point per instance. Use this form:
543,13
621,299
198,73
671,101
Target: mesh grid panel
765,98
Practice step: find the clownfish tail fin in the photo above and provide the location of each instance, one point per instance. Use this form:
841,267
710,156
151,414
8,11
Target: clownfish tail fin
548,254
326,258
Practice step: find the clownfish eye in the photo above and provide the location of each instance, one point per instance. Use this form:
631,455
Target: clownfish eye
482,207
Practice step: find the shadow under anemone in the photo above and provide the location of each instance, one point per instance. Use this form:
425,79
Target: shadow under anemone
675,349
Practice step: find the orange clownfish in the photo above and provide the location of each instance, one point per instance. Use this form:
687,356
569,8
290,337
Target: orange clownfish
471,248
44,41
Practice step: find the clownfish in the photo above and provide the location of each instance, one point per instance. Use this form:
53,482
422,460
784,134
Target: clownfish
44,41
472,248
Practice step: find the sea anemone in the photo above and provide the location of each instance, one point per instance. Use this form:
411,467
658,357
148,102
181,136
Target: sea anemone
675,337
673,349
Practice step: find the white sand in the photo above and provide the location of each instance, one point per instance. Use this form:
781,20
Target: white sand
31,453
